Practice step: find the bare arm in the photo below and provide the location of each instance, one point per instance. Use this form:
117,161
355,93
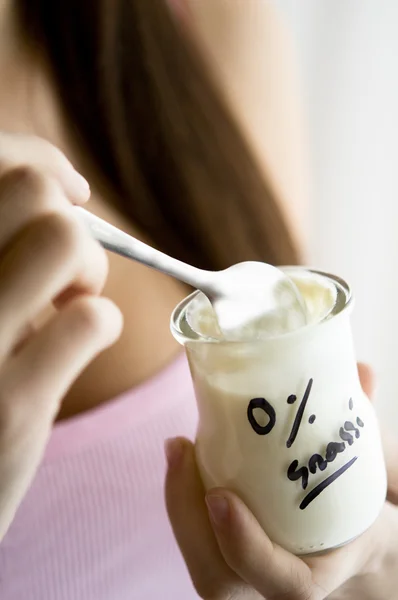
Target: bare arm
250,50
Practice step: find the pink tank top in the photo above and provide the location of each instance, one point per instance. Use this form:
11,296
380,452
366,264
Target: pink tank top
93,525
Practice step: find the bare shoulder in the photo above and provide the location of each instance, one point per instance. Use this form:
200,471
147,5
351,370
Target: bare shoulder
250,47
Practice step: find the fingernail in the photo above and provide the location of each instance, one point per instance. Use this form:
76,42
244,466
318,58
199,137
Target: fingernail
174,450
218,508
79,187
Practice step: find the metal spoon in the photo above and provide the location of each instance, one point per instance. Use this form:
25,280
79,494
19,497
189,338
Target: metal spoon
241,294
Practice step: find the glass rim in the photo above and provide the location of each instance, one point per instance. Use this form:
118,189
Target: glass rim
191,336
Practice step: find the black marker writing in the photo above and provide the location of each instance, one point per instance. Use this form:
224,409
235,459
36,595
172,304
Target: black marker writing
294,474
333,449
324,484
317,461
263,404
299,415
351,427
346,437
348,433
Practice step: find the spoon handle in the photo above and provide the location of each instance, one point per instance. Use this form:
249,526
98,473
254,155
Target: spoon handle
119,242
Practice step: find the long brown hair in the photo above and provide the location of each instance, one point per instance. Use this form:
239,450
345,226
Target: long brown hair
142,107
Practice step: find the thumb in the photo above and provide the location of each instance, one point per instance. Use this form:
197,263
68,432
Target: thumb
367,379
390,445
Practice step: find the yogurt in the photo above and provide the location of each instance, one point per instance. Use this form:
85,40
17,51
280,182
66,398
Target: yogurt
283,420
319,299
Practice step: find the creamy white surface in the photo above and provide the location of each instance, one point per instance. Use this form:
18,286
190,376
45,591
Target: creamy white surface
318,294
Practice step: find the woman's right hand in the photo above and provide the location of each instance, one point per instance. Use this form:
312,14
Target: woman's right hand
46,256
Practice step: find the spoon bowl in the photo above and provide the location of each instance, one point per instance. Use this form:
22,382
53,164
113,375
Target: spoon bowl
254,296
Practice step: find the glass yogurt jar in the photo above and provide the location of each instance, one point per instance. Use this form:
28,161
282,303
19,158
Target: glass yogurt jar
283,419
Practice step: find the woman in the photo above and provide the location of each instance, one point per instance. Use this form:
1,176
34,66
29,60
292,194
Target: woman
174,156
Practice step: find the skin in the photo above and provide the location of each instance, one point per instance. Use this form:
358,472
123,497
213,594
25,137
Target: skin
58,355
250,51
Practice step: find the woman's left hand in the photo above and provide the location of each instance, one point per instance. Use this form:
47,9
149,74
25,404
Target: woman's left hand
230,557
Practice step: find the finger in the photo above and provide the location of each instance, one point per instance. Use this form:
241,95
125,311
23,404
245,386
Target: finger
390,441
20,150
187,511
334,568
390,446
34,382
48,364
26,195
367,379
270,569
51,256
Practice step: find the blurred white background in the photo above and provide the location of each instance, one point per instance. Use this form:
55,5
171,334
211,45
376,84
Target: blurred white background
348,54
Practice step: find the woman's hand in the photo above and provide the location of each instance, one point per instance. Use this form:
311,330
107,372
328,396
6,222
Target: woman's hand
46,257
231,558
